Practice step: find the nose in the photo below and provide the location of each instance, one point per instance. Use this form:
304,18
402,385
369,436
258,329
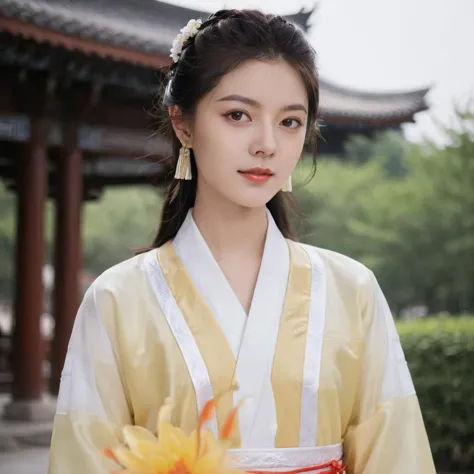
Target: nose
264,141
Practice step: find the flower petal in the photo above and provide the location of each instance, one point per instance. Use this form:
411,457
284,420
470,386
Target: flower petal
210,463
206,413
164,416
133,435
174,440
229,424
132,463
109,452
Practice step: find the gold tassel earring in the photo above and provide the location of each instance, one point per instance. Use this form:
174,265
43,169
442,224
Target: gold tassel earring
183,167
287,187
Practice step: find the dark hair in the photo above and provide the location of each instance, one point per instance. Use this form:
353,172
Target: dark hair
225,40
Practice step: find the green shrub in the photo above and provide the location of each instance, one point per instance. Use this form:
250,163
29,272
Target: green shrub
440,354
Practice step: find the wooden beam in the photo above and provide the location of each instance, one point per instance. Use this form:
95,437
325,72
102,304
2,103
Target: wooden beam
17,95
101,140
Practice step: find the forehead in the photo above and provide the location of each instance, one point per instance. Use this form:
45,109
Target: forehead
272,83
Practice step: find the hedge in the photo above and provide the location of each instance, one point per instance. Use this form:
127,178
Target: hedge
440,354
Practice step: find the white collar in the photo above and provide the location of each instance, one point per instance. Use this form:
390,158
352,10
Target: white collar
211,283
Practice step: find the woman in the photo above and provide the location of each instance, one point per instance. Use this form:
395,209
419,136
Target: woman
226,296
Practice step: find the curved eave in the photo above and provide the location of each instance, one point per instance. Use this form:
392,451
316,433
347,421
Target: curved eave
358,121
354,118
338,105
116,28
302,18
344,106
86,46
146,26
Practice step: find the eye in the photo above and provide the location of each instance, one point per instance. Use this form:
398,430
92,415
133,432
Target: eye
237,115
292,123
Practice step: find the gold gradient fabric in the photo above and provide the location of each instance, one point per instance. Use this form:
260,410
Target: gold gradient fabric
207,333
287,374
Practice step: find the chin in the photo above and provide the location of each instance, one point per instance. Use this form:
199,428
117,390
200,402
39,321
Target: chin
257,198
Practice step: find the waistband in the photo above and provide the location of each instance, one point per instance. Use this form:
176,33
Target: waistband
286,459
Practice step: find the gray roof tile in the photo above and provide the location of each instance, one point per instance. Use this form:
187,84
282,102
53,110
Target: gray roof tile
146,25
337,101
150,26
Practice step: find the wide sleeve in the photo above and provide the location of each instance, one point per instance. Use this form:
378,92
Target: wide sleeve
92,404
388,434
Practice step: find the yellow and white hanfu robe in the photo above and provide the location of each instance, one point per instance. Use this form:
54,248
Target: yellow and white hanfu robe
318,357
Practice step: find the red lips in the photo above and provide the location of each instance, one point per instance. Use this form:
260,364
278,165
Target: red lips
258,171
257,175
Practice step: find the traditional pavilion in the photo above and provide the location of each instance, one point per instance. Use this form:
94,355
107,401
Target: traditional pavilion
77,78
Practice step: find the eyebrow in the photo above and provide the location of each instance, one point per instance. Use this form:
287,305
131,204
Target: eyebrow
258,105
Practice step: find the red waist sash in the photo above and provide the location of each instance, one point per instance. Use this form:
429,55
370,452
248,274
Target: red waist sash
332,467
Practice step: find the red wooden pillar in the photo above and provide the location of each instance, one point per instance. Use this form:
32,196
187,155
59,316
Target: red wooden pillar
28,347
68,258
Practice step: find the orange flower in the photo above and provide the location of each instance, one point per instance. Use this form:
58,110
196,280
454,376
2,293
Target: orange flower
174,452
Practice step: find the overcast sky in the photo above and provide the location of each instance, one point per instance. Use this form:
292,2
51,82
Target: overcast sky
388,45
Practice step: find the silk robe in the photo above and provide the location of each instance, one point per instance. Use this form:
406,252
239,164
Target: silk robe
318,358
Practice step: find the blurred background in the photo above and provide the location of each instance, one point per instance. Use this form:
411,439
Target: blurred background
81,183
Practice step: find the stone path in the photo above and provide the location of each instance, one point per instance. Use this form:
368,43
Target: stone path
25,461
15,434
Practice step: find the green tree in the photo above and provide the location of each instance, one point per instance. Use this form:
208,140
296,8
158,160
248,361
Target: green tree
447,176
414,229
121,222
7,241
331,201
388,147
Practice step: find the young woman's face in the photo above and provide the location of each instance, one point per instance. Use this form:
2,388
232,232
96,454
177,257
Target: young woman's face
249,131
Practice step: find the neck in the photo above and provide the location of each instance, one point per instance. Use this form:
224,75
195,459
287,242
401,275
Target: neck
227,227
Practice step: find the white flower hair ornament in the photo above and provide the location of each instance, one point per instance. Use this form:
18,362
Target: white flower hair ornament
189,31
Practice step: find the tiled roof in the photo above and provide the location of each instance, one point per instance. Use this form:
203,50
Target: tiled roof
144,25
340,103
147,27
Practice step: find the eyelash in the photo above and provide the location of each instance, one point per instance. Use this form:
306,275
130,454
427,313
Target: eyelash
297,120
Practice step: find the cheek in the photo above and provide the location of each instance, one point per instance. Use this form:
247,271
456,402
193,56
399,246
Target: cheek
216,148
291,151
